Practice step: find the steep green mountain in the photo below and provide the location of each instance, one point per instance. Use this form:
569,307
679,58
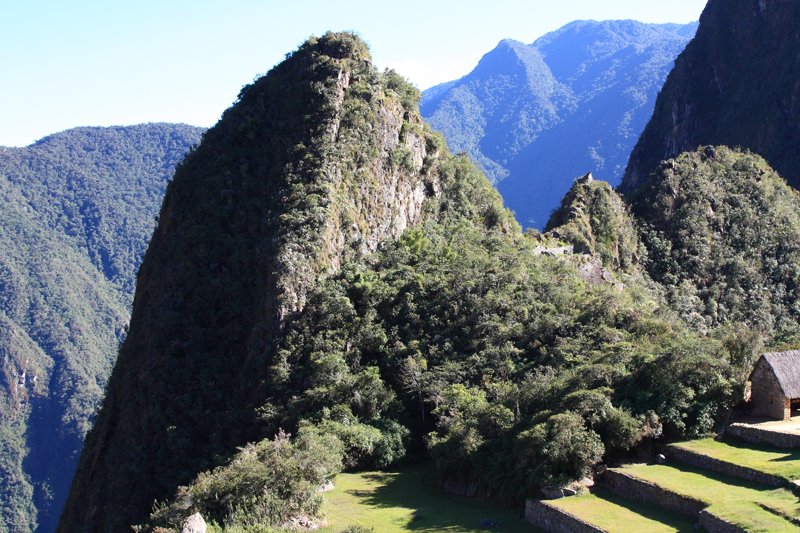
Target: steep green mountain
101,188
722,231
317,162
535,116
596,221
736,84
323,267
76,210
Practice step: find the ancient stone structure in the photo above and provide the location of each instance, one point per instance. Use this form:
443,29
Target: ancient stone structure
543,515
705,462
756,434
775,382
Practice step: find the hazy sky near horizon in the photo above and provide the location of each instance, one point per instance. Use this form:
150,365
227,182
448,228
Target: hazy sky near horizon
100,63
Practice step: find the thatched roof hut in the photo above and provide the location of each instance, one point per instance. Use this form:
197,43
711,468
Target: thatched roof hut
775,382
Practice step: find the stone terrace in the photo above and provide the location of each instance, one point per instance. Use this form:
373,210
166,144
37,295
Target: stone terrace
715,501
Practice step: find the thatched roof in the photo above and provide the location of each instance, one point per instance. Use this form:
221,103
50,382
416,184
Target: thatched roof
786,367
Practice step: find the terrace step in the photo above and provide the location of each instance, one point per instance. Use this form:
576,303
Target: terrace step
732,456
774,433
708,462
719,502
603,512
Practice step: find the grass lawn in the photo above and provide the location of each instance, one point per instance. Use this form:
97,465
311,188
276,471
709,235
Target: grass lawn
409,500
621,515
764,458
731,498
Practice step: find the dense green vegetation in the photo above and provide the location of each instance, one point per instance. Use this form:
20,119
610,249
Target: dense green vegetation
513,370
510,368
322,266
722,231
263,485
304,171
597,222
100,188
535,116
76,210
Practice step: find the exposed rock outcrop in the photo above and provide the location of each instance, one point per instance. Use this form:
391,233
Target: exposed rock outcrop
320,160
735,84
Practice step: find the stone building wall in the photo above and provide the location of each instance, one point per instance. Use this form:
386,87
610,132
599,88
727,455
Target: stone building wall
723,467
764,388
545,516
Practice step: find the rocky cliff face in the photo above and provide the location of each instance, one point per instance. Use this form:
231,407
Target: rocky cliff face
597,222
318,161
736,84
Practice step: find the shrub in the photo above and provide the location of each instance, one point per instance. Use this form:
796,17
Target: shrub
265,484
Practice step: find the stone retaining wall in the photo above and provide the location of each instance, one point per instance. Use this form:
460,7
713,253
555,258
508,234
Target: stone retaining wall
754,434
545,516
715,524
638,489
777,512
709,463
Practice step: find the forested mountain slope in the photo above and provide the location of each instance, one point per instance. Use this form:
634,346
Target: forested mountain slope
722,231
736,84
535,116
324,268
76,211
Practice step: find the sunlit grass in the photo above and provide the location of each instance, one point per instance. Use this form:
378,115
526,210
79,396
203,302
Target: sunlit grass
764,458
410,500
621,515
730,498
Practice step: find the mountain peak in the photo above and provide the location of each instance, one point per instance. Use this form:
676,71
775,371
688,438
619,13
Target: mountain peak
734,85
523,110
317,163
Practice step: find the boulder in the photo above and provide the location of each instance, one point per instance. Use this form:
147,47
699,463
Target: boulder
552,493
455,487
194,524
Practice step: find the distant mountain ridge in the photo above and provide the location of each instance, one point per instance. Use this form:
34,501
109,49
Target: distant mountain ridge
536,116
76,213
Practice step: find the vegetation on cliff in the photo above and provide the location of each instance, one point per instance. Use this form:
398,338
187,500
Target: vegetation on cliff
324,267
318,162
596,221
722,231
508,367
76,210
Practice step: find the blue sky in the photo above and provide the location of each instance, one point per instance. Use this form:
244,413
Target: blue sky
101,63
